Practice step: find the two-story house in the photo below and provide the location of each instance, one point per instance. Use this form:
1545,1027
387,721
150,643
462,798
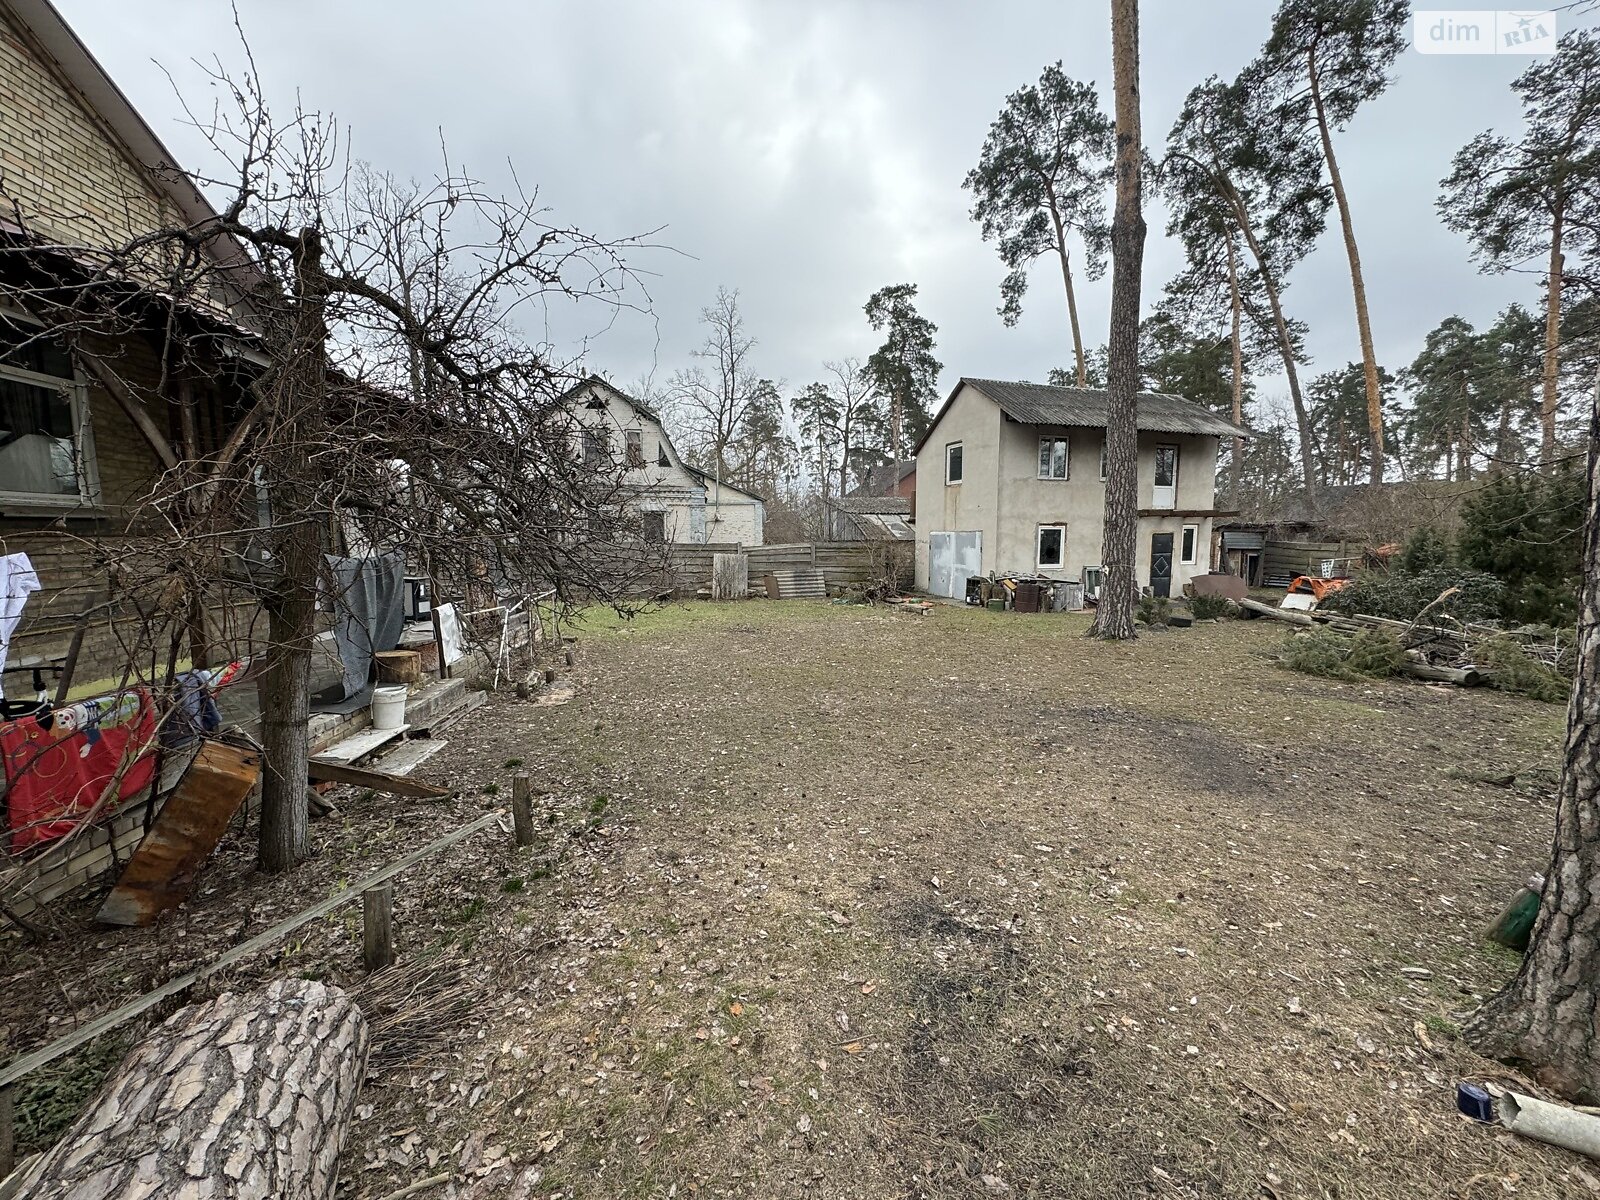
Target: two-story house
676,502
1011,478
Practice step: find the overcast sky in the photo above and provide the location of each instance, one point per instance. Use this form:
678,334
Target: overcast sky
809,153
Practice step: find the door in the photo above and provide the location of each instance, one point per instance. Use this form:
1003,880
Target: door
1161,564
952,556
1165,493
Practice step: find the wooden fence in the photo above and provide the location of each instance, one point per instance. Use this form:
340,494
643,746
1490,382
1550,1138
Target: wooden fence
839,562
1285,559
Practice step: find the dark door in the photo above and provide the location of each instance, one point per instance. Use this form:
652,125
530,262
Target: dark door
1161,564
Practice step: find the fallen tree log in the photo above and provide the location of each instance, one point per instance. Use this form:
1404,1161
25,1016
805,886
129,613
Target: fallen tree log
1461,676
1292,616
247,1097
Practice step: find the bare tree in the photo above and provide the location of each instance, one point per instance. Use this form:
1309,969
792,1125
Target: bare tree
717,396
376,395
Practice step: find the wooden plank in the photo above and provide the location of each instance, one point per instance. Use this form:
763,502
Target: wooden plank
377,927
26,1064
379,781
409,756
362,744
522,807
191,822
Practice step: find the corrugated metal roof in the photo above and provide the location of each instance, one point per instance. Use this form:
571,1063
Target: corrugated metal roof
1040,404
890,505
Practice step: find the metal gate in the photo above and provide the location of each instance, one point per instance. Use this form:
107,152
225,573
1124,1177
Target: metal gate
952,557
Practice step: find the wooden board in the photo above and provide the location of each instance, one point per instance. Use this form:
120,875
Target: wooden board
359,746
411,755
321,771
162,870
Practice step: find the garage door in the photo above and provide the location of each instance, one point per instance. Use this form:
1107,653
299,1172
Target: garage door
952,556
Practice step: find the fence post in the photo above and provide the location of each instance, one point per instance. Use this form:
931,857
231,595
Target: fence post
377,919
522,807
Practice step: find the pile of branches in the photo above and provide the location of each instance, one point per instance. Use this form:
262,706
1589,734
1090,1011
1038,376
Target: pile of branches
1531,660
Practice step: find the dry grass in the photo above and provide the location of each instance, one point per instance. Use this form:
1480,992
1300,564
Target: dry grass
842,902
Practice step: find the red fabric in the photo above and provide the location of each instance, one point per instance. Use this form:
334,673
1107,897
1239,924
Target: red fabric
54,775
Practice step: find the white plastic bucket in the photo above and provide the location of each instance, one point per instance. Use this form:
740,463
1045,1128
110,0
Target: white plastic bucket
388,707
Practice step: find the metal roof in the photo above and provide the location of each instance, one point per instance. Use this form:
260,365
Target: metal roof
888,505
1040,404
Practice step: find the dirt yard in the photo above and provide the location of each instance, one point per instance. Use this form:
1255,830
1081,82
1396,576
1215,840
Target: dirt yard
840,902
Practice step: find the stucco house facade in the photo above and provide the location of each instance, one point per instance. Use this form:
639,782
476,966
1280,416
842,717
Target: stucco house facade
676,502
1010,477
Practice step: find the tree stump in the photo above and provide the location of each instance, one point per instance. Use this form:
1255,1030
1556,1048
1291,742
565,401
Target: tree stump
247,1097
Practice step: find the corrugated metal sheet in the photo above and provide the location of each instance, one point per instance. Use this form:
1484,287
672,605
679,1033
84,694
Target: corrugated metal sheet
1040,404
883,505
1239,539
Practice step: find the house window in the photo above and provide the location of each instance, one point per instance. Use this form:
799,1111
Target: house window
1052,458
1191,544
594,447
1052,546
1102,460
952,463
46,452
635,447
661,456
655,526
1093,579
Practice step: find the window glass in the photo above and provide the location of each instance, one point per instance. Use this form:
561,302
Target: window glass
594,446
1052,458
37,453
635,448
1190,535
27,348
661,456
952,463
1166,466
1052,545
1102,461
655,527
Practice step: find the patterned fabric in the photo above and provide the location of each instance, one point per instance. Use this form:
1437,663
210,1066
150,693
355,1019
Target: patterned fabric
57,766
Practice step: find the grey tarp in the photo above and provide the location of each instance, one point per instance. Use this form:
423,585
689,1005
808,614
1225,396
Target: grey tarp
369,613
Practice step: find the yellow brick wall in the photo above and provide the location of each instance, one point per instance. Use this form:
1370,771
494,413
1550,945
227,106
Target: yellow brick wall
58,163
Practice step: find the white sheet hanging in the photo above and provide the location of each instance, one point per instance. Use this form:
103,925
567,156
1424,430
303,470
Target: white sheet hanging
17,581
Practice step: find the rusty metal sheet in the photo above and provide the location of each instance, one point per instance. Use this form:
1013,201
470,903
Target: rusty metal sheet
163,868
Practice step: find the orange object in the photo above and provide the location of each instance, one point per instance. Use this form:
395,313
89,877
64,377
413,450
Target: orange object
1312,585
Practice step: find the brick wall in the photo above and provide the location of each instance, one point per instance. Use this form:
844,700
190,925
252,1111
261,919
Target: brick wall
58,162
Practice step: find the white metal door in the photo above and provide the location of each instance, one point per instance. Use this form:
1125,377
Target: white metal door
952,557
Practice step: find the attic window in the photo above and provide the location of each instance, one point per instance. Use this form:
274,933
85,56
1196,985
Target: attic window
661,456
594,447
952,463
635,447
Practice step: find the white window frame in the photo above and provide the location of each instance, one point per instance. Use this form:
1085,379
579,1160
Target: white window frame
1094,579
1066,458
1102,460
631,437
1038,537
83,459
1194,545
949,446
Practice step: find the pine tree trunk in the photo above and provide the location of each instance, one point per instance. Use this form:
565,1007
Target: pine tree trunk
1072,298
1552,348
246,1097
1502,437
1114,616
1369,358
1309,467
1236,467
896,419
1544,1019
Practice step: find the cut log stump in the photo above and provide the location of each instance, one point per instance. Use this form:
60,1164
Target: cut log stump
246,1097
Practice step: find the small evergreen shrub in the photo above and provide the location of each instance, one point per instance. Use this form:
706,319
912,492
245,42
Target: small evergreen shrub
1526,528
1425,550
1210,608
1401,595
1154,610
